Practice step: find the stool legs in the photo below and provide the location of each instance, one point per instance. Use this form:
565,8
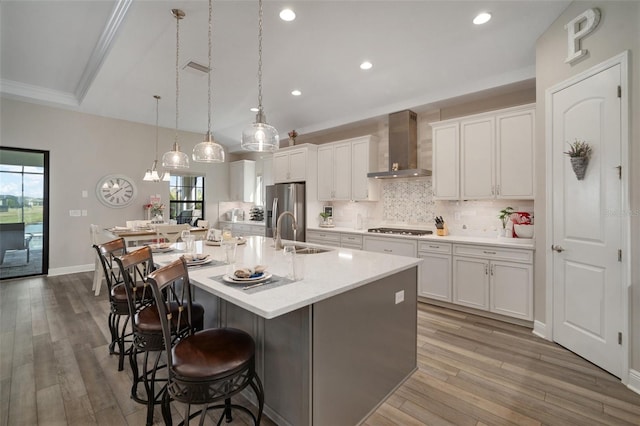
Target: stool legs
147,378
118,335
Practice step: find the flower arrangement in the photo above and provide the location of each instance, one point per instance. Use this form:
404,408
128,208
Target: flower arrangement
293,134
579,149
579,153
505,215
156,208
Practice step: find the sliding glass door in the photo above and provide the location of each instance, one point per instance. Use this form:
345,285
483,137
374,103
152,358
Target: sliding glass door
24,212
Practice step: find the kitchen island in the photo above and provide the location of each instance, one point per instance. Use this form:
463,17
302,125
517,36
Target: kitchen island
330,347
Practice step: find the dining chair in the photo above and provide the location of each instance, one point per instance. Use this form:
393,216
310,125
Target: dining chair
205,367
98,235
13,237
171,233
147,328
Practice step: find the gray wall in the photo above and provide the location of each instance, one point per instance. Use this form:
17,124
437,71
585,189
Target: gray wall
83,149
619,30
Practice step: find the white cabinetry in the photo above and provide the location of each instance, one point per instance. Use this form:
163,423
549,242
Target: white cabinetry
389,245
343,168
351,241
485,156
244,229
290,165
334,172
324,238
499,280
446,162
242,181
435,271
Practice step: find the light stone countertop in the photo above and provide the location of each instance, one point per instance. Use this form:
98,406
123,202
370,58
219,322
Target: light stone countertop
244,222
525,243
326,274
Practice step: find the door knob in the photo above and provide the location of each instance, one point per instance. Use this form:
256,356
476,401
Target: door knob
557,248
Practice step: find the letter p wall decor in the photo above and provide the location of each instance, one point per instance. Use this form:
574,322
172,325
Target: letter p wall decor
577,29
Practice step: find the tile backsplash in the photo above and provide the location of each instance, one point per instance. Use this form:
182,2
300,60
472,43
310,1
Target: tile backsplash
410,203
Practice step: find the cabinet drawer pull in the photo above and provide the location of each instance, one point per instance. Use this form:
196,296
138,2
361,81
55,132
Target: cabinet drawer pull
434,246
486,269
388,250
489,252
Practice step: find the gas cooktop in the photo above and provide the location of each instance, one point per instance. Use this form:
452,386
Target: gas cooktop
400,231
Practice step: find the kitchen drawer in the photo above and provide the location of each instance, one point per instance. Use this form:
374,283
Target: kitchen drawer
434,247
400,247
351,240
323,237
494,253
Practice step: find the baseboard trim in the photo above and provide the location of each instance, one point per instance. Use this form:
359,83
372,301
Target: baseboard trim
634,380
71,269
540,329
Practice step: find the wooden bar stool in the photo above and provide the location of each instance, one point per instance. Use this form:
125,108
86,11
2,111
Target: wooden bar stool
107,253
205,367
147,328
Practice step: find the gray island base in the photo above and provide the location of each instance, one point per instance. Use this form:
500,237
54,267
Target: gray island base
333,362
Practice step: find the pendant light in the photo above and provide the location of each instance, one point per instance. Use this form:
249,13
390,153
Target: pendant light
208,151
175,159
260,136
152,174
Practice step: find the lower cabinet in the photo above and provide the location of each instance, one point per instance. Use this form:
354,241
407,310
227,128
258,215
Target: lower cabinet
245,230
498,280
397,246
335,239
351,241
434,280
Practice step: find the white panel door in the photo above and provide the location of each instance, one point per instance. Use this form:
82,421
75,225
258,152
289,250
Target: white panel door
471,282
435,276
477,142
514,153
280,167
446,162
342,171
298,165
325,173
587,276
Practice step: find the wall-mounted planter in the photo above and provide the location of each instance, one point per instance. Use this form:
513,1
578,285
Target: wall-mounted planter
579,165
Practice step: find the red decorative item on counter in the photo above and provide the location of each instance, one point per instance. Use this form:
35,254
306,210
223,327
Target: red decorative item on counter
520,218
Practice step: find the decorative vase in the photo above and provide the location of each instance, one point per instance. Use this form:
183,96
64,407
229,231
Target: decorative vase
292,141
157,219
579,165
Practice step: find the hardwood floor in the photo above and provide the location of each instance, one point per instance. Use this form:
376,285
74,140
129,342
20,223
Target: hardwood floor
55,368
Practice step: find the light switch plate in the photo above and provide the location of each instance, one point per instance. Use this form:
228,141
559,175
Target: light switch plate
75,213
399,296
85,193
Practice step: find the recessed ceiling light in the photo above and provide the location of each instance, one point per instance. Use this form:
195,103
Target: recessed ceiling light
366,65
296,92
254,109
287,15
482,18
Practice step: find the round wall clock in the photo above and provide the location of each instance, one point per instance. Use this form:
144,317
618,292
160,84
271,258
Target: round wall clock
116,191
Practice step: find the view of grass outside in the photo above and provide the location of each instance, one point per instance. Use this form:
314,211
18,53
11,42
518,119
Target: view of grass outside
15,215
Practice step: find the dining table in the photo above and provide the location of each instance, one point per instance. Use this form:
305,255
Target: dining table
134,237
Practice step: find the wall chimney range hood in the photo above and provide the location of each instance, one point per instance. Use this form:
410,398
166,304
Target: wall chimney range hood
403,147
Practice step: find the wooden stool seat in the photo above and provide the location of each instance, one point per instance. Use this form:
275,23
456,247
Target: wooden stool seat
148,319
212,354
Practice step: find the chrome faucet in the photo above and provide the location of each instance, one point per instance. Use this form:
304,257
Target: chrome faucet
278,243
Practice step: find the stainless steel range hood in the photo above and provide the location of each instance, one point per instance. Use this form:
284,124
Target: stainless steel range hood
403,147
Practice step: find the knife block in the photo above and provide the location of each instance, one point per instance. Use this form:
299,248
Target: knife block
443,232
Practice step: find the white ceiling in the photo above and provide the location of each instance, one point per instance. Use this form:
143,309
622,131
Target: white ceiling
110,57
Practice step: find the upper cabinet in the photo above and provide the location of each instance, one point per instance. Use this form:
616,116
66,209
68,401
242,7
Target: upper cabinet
485,156
291,164
343,168
242,181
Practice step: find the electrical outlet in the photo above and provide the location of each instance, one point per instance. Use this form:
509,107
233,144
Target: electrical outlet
399,296
84,212
456,216
85,193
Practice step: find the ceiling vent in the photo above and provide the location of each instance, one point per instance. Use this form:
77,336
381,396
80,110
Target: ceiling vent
196,66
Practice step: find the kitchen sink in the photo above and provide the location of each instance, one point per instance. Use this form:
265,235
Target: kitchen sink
310,250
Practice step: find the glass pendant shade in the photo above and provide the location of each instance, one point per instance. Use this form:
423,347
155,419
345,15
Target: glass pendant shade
166,177
175,159
208,151
260,137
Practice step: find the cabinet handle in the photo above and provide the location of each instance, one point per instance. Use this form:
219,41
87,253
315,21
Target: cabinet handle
489,252
434,246
493,190
486,269
497,189
388,250
492,268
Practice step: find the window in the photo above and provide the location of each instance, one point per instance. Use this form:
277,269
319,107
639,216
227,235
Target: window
186,198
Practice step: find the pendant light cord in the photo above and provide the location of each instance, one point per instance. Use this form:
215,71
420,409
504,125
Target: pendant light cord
157,107
178,17
260,57
209,72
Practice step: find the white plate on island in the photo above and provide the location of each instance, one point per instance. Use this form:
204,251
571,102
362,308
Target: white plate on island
235,280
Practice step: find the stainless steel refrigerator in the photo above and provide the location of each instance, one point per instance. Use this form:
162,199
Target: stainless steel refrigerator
284,197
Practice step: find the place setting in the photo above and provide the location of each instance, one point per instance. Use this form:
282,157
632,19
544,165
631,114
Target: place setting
252,279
